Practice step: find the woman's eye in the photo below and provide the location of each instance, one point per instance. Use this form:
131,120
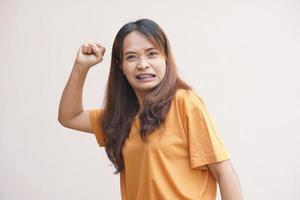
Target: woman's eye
153,53
129,57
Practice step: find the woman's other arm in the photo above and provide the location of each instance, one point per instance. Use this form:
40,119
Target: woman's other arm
227,179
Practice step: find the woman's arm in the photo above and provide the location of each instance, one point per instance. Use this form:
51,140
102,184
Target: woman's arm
71,113
227,179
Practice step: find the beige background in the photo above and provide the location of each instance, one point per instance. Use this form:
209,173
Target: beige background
241,56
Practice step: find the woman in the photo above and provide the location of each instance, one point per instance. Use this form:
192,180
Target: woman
155,129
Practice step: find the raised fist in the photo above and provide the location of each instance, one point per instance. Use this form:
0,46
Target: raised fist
90,54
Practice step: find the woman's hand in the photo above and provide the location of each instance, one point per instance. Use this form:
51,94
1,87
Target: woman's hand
90,54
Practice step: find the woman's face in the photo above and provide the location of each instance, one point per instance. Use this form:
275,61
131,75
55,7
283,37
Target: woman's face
143,64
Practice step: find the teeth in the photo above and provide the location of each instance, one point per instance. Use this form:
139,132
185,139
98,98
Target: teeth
144,76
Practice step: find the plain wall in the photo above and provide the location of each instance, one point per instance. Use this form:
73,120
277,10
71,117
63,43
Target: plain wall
242,57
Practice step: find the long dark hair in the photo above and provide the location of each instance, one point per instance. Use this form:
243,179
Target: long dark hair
121,104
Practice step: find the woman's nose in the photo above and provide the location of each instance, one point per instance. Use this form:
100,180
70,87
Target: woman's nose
143,64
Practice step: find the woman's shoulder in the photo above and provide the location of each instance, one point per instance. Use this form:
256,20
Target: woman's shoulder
188,98
188,95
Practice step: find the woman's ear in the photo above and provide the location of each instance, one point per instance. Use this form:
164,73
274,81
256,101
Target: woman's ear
119,65
121,68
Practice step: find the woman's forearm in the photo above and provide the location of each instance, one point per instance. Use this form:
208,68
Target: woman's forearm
71,99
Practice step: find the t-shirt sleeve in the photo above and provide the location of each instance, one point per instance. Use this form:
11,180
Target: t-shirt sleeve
205,144
96,128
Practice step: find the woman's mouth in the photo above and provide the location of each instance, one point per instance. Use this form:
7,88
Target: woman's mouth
146,76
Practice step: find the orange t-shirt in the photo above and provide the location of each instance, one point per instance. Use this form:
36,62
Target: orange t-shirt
172,166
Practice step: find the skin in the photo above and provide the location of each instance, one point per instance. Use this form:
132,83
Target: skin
141,56
72,115
227,179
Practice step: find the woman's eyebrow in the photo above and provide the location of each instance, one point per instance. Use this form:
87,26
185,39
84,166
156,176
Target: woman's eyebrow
132,52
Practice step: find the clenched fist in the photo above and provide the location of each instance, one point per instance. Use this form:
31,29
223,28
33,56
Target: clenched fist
90,54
